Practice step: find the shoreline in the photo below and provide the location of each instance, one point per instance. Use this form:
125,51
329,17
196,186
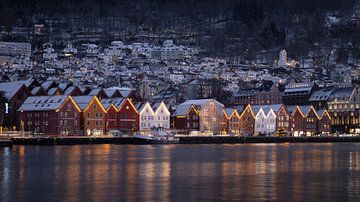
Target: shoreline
183,140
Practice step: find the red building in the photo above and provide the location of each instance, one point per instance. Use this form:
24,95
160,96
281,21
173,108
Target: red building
123,110
50,115
14,94
297,122
186,118
128,116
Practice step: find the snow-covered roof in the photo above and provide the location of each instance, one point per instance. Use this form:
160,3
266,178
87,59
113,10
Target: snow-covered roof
229,111
295,88
69,90
110,91
343,93
201,102
35,90
46,85
52,91
9,89
321,95
305,109
95,91
117,102
182,109
43,103
83,101
141,105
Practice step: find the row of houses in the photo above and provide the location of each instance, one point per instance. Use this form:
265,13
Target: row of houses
13,94
88,115
209,116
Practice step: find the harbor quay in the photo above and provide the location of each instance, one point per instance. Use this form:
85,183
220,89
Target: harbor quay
78,140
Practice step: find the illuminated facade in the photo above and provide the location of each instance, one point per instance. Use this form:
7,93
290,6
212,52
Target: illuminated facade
50,115
344,109
93,115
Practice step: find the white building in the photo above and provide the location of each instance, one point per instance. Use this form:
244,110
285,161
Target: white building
282,58
49,54
91,49
162,115
15,49
265,119
146,116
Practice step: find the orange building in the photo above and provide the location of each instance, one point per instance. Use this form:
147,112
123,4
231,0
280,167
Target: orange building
93,115
247,121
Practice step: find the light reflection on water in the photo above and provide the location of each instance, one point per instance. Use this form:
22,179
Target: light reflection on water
292,172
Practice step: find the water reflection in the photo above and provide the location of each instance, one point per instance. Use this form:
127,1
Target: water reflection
296,172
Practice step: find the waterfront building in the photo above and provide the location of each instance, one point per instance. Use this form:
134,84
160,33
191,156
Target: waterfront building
233,121
324,122
247,121
344,109
186,118
224,123
50,115
297,122
146,120
265,119
210,113
92,114
14,94
161,115
283,118
319,98
311,120
111,117
128,116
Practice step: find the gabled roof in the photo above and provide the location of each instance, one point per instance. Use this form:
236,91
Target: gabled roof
43,103
95,91
70,89
110,92
47,84
36,90
52,91
63,86
140,106
117,102
322,112
291,109
183,110
245,109
83,101
10,88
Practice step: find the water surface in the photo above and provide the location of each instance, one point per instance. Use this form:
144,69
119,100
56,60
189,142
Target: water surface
257,172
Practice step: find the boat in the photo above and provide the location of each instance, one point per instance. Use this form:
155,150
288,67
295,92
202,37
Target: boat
158,136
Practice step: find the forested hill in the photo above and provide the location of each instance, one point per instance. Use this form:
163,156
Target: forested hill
220,27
